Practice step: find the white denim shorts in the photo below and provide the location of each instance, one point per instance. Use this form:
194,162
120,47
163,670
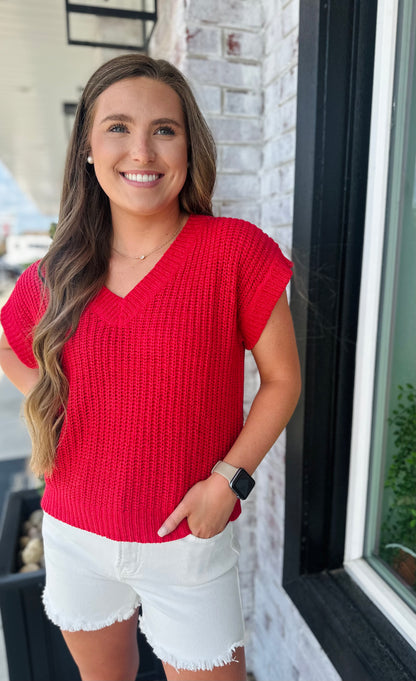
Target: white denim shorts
188,590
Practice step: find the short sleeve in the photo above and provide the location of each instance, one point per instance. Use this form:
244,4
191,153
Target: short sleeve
263,276
21,313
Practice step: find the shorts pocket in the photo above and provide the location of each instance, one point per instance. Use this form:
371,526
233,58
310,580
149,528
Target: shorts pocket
193,561
191,538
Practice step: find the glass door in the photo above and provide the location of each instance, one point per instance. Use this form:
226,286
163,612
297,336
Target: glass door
390,537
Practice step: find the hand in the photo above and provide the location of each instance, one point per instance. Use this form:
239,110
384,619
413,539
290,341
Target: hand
207,506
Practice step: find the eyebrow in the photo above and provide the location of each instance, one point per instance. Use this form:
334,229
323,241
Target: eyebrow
124,118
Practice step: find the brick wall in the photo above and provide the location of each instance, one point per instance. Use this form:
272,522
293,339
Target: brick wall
224,62
241,59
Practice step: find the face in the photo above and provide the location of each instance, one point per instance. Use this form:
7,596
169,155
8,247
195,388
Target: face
139,147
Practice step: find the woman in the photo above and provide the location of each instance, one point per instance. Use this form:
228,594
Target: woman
128,341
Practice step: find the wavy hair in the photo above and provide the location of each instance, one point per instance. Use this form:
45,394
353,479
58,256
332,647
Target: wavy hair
75,267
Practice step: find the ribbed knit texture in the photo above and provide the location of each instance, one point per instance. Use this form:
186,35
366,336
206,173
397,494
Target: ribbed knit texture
156,378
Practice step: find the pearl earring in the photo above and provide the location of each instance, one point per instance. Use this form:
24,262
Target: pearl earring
90,159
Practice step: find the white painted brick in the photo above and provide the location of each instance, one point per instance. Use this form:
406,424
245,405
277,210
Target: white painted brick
208,97
270,68
279,117
290,17
271,10
277,181
277,212
266,618
281,58
272,154
232,186
244,530
283,236
287,178
272,30
280,150
241,158
227,130
242,44
240,13
272,102
288,84
281,91
252,380
288,50
271,660
227,73
287,115
204,41
249,211
243,103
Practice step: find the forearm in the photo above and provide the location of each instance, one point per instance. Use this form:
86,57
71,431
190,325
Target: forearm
18,373
209,504
270,412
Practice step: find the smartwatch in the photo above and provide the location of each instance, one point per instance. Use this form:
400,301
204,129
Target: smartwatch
239,480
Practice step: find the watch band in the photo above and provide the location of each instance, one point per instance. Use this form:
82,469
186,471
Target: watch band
225,469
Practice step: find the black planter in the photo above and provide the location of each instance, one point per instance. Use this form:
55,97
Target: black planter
35,648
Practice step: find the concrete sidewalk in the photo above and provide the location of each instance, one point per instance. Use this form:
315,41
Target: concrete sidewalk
14,438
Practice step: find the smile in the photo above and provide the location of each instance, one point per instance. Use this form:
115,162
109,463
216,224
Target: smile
141,177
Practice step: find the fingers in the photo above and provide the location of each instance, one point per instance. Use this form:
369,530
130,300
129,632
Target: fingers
207,506
172,521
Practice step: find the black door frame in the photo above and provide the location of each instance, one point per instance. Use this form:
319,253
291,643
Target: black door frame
336,61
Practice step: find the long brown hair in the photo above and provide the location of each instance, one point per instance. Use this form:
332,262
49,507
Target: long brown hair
75,267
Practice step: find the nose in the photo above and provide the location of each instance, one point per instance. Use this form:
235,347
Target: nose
142,149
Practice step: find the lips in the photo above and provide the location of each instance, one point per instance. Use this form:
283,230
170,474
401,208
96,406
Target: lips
142,177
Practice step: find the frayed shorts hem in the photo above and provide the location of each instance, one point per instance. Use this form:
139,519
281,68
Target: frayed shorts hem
190,665
82,625
164,655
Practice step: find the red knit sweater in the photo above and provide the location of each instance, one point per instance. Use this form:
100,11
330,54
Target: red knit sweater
155,378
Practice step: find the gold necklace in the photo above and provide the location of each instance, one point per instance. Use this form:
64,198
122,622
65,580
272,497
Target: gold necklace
146,255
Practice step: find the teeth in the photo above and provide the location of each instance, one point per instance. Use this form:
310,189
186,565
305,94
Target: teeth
141,178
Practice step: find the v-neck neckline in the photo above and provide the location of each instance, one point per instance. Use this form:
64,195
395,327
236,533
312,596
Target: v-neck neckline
118,309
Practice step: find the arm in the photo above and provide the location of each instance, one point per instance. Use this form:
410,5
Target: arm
19,374
209,504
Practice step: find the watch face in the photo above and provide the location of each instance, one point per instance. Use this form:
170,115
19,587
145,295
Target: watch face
242,484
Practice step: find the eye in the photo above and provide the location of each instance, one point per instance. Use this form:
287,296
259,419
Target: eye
118,127
165,130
